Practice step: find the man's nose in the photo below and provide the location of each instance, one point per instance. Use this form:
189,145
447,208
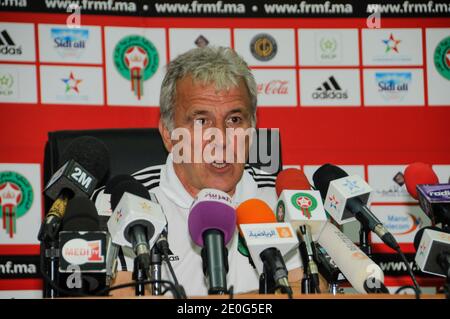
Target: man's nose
220,139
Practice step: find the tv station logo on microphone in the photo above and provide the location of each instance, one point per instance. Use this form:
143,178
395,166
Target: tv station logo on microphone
79,252
84,249
304,202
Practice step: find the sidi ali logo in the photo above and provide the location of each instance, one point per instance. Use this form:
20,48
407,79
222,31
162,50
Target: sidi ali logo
16,198
137,60
305,203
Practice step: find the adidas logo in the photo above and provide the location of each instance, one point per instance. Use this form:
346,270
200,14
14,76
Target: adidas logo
330,89
7,45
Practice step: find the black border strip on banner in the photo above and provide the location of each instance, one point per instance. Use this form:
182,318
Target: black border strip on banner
19,266
237,9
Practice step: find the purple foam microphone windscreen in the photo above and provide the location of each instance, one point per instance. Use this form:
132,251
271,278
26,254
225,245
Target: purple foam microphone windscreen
209,214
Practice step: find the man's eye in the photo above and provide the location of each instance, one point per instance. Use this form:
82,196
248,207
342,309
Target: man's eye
234,120
200,121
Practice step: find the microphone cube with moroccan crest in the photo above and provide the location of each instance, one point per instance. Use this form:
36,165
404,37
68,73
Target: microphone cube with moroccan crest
302,207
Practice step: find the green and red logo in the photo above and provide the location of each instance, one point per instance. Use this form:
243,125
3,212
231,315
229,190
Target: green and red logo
442,58
16,198
281,211
137,60
305,202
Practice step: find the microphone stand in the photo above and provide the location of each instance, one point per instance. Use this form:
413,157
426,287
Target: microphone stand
139,275
155,270
266,282
50,253
364,243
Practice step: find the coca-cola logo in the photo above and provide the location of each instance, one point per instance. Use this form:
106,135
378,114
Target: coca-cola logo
274,87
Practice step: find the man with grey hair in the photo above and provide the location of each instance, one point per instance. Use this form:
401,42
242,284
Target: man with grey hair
209,87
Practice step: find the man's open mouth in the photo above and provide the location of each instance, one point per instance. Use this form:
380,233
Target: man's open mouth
219,165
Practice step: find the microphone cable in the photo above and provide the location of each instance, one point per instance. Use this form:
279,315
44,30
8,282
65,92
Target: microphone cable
163,246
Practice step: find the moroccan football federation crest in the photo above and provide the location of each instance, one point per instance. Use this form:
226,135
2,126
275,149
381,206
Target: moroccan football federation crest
442,58
16,198
137,60
305,203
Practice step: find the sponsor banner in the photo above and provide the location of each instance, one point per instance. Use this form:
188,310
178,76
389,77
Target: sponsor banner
388,184
331,87
438,66
182,40
392,47
135,61
443,173
20,203
58,43
20,294
402,221
72,85
251,8
309,170
18,83
393,87
393,266
328,47
19,267
17,42
276,87
266,47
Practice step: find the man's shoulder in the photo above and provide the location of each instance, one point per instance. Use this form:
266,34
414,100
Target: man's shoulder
149,177
261,177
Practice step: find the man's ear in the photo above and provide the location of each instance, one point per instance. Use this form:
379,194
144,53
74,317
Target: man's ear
165,134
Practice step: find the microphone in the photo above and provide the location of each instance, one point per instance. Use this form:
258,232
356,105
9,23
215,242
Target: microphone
416,174
362,273
297,203
329,270
303,208
267,241
136,221
346,198
112,251
86,163
82,245
212,222
434,198
433,251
